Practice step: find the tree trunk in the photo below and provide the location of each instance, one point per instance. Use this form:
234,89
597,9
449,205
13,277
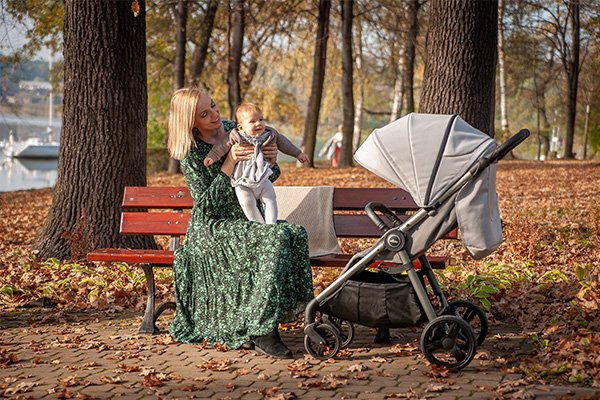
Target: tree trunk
235,57
316,90
180,41
585,131
400,82
347,82
358,110
411,44
201,50
461,61
572,68
502,71
103,140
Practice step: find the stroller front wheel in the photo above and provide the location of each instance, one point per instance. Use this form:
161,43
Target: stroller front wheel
449,341
327,347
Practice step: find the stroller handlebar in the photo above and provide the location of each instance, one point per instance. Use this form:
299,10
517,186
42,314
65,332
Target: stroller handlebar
500,152
509,145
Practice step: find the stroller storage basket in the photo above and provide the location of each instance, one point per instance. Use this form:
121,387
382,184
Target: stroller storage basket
376,300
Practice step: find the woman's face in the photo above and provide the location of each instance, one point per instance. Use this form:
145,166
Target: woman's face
207,115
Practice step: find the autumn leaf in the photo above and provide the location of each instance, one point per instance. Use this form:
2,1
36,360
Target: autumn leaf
152,380
216,365
135,7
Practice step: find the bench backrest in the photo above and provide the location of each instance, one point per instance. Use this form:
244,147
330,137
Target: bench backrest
179,199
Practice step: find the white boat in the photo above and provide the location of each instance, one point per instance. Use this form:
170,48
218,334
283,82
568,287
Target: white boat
32,148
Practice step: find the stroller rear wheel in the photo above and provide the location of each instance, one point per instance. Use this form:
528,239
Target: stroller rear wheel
474,316
345,329
449,341
327,347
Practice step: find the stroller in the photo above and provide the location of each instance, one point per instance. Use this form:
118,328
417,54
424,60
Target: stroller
449,168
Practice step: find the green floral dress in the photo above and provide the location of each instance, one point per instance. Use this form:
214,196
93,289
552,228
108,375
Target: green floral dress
234,279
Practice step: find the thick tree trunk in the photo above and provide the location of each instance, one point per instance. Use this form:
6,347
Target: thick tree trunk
103,140
461,61
347,82
316,90
410,53
201,50
572,68
235,57
180,41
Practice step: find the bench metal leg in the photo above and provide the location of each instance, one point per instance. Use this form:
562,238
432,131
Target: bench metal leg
147,325
151,315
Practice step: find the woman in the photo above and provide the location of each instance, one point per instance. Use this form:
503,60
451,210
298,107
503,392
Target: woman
235,280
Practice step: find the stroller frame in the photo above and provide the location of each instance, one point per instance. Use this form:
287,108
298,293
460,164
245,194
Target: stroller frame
446,330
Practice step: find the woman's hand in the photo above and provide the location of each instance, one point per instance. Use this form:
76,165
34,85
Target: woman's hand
237,153
270,153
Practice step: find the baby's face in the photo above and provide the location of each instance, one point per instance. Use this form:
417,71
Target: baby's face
252,123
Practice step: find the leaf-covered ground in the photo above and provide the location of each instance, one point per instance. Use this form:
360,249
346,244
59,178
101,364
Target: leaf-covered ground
545,276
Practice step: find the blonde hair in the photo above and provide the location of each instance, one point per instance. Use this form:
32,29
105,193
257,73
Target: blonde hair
181,121
244,109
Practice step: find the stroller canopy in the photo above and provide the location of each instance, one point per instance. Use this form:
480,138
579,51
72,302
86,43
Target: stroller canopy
425,154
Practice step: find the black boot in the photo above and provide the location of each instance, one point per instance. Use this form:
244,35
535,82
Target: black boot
383,336
271,345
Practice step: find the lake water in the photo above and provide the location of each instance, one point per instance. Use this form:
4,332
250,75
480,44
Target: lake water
17,174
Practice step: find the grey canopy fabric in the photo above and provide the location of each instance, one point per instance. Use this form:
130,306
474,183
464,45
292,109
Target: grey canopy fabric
425,154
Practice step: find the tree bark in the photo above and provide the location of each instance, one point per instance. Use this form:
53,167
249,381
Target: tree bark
501,70
103,140
411,44
400,82
316,90
461,61
201,50
180,41
572,67
235,57
347,82
358,109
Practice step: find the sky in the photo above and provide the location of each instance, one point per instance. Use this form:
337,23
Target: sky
13,37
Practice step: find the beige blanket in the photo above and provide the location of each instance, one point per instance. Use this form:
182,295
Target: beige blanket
311,207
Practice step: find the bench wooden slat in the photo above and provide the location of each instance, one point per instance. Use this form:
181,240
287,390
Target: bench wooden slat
357,198
346,225
155,257
343,198
361,226
159,197
165,257
141,223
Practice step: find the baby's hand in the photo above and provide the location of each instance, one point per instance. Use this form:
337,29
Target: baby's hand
303,158
208,162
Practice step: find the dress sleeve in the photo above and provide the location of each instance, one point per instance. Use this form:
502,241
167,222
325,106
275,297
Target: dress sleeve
276,172
208,186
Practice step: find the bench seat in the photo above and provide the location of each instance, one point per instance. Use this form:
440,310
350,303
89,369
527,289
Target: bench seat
165,258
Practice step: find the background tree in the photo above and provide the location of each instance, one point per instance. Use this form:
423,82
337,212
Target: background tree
347,82
460,63
235,56
180,42
313,108
201,43
103,140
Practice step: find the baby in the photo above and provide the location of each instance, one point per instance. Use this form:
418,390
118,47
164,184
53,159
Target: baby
251,177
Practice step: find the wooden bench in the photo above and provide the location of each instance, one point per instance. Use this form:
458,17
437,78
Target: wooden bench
347,222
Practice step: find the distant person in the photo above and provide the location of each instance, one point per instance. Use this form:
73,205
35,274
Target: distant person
251,177
332,148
